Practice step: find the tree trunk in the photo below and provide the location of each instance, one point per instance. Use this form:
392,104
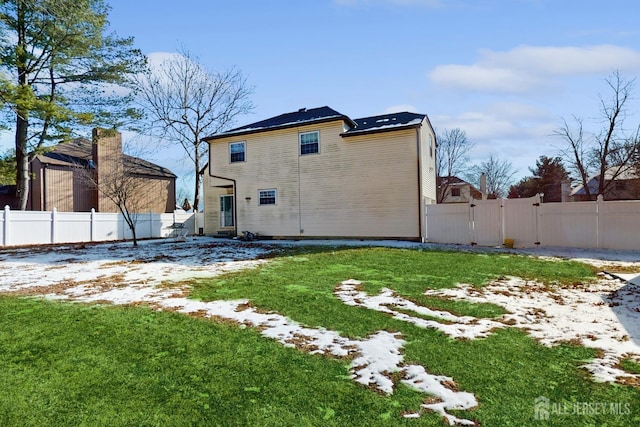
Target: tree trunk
198,180
22,161
22,114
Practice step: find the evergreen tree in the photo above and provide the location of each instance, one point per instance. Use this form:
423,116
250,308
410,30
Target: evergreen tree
61,73
547,179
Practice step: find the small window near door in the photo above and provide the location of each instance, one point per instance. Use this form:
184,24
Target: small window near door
226,211
267,197
309,143
237,152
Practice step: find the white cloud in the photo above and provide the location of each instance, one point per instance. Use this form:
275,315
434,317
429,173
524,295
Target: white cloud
400,108
525,68
500,120
156,59
483,77
517,132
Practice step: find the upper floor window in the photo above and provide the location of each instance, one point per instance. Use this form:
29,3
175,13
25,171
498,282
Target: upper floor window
267,197
237,152
309,143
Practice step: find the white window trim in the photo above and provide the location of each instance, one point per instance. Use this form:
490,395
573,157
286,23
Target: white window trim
300,142
244,143
275,192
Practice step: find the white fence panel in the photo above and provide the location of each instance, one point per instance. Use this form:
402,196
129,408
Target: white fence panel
106,227
620,225
521,221
29,228
569,224
448,223
35,227
486,217
71,227
601,224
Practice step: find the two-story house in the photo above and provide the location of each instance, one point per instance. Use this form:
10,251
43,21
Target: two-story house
316,173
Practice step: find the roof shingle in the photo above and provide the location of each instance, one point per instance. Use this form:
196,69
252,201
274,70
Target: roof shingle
381,123
78,152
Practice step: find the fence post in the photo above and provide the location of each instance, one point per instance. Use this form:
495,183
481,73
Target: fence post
151,224
54,218
92,225
599,221
7,209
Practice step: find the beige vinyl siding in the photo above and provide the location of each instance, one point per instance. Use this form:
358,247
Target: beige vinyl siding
429,187
360,186
59,183
271,162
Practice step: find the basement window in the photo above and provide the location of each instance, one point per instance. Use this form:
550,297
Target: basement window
267,197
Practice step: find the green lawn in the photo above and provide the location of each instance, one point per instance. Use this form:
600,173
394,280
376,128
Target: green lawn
74,364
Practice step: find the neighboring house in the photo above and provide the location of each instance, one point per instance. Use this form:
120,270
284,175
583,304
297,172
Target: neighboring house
452,189
59,177
317,173
625,186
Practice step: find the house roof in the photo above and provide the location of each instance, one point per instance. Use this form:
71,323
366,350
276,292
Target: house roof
385,122
620,174
79,151
451,180
382,123
287,120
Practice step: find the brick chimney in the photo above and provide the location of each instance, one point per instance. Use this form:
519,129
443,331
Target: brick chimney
106,151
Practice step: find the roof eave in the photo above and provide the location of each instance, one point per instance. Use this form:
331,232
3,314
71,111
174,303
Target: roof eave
280,127
381,130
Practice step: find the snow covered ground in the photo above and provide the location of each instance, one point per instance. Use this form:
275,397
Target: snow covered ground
605,315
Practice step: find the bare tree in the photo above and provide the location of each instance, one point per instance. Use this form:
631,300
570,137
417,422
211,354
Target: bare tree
184,102
115,180
609,152
451,157
499,174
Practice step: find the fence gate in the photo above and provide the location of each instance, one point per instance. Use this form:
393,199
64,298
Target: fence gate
486,222
521,221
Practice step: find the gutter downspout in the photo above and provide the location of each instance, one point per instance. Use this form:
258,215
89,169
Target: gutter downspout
420,201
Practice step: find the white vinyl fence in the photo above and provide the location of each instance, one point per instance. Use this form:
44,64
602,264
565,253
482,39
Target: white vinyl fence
529,222
35,227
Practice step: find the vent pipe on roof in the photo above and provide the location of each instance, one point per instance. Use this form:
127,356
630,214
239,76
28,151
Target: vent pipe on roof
302,110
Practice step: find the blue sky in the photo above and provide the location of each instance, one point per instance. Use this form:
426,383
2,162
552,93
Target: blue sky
505,71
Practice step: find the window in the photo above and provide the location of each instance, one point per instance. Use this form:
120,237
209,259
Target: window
236,152
309,143
455,192
267,197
